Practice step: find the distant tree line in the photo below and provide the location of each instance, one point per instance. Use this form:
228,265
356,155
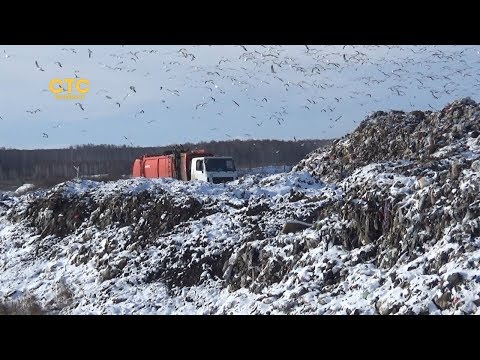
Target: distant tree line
56,165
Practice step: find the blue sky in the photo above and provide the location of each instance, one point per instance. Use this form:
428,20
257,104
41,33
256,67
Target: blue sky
190,92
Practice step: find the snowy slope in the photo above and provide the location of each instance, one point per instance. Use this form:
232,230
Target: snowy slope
396,231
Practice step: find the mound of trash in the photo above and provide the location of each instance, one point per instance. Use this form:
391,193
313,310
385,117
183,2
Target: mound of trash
425,138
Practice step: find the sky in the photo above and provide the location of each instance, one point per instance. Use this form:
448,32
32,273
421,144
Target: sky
165,94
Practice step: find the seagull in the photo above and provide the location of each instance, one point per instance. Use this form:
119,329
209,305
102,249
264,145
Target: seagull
6,55
133,89
38,66
273,70
58,62
140,112
33,111
117,103
80,106
235,102
89,53
45,135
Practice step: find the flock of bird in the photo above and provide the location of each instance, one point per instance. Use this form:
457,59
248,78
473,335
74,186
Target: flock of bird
271,85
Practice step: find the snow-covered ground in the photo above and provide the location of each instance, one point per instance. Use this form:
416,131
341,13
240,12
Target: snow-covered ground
395,231
24,189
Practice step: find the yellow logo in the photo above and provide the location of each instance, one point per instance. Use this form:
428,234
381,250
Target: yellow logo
74,88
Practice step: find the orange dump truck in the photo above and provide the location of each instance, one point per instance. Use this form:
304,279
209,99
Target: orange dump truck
186,165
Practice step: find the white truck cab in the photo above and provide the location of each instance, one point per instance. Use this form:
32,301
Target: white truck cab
214,169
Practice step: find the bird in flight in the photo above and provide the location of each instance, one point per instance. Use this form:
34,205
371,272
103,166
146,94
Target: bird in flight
33,111
235,102
58,63
89,53
6,55
38,66
45,135
133,89
80,106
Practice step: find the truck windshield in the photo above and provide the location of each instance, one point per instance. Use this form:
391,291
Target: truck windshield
219,165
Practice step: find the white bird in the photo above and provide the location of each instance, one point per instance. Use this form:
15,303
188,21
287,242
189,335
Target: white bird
6,55
58,62
90,53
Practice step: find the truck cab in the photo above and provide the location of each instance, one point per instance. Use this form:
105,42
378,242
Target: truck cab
214,169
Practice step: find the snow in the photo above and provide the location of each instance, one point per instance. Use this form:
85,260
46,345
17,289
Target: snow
24,189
